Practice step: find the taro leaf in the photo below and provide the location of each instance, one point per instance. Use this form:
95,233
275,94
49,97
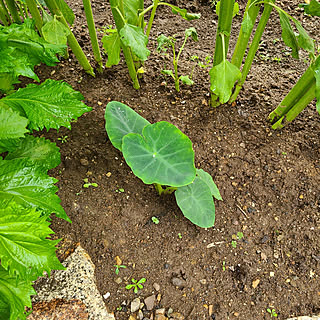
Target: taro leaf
288,35
205,177
121,120
111,43
40,151
192,32
66,11
223,78
313,8
316,71
133,37
25,247
51,104
304,40
196,203
164,42
183,13
28,185
168,73
186,80
162,155
131,10
55,32
12,125
14,296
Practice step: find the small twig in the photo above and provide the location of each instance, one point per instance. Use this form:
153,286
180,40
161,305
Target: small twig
242,211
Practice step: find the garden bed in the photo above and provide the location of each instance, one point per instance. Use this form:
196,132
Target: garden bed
269,181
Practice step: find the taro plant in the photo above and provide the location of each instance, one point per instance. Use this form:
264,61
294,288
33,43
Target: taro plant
227,77
129,35
27,193
160,154
163,44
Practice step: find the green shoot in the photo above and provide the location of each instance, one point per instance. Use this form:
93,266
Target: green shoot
155,220
272,313
165,42
88,184
63,139
136,285
118,267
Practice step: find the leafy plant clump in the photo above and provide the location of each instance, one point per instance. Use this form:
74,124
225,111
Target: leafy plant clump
136,285
165,42
162,155
27,193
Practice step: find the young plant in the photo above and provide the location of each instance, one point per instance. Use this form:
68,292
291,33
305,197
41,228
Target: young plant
136,285
162,155
130,36
88,184
224,75
272,313
118,267
165,42
27,193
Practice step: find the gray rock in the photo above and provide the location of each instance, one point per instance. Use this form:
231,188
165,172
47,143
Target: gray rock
149,302
135,305
160,311
179,283
140,315
156,286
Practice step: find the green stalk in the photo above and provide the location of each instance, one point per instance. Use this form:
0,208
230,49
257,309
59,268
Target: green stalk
253,49
243,38
13,11
93,34
224,27
153,12
300,89
4,10
3,16
33,8
298,107
118,15
72,41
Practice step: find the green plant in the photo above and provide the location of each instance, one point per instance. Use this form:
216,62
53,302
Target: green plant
162,155
272,313
165,42
236,237
129,34
226,77
155,220
118,267
136,285
27,193
88,184
179,235
63,139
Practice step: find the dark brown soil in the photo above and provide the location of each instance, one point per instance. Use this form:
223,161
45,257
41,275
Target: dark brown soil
269,181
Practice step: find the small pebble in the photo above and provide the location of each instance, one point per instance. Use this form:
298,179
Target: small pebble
84,162
156,286
177,282
149,302
135,305
108,174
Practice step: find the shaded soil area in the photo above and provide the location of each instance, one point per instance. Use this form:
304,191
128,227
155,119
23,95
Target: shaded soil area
269,181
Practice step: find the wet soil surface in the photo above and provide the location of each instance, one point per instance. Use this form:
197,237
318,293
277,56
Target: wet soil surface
269,181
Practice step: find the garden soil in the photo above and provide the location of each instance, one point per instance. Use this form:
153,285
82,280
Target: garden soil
269,181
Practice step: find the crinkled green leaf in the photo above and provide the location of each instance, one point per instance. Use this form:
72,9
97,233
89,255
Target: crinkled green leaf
55,32
192,32
205,177
40,151
288,35
133,37
304,40
51,105
313,8
12,125
196,203
111,43
168,73
184,13
25,247
131,10
164,42
163,155
8,145
223,78
121,120
316,71
15,295
28,185
66,11
186,80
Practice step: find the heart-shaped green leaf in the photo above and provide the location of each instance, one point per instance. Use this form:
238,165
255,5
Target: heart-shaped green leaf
205,177
121,120
111,43
196,203
163,155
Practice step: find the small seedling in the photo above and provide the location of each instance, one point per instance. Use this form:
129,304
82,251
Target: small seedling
120,190
63,139
155,220
223,265
136,285
165,42
272,312
180,235
236,237
118,268
88,184
119,308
